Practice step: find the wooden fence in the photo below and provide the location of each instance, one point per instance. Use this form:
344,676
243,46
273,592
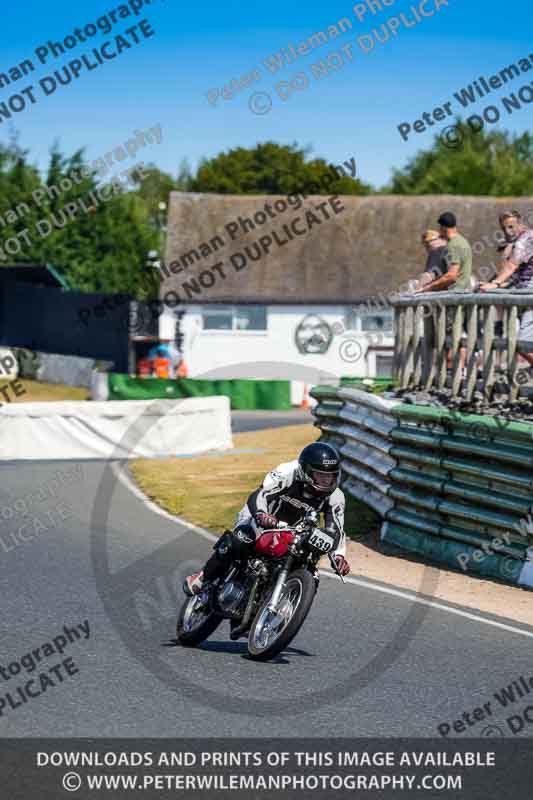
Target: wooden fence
452,340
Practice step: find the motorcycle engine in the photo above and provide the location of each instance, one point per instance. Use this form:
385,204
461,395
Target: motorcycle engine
231,597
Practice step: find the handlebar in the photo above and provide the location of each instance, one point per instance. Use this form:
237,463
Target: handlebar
311,518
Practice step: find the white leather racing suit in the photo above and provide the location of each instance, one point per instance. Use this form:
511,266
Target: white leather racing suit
286,497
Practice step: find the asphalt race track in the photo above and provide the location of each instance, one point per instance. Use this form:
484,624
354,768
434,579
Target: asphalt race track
242,421
367,663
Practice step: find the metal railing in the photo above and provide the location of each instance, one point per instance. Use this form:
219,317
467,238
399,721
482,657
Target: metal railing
449,340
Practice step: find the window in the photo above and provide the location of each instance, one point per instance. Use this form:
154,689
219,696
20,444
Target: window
384,366
218,319
234,318
371,318
377,322
250,318
350,319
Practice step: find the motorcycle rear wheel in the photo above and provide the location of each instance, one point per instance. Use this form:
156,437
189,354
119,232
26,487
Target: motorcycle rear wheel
192,628
271,633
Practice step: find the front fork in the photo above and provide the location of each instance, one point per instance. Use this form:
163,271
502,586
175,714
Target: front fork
280,585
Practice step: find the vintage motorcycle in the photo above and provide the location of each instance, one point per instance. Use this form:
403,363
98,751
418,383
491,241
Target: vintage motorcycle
269,596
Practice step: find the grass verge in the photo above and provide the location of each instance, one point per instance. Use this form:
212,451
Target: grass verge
36,392
210,490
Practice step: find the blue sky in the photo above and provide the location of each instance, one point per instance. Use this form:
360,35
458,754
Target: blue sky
199,47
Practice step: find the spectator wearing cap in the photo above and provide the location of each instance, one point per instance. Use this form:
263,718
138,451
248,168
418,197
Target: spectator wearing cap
456,259
456,270
518,268
435,246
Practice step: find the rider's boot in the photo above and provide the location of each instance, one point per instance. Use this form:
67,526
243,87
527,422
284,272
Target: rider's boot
193,584
214,567
227,548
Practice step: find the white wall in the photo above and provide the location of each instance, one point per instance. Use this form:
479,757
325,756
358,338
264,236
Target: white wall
273,354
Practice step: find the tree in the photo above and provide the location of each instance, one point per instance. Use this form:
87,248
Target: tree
101,247
270,168
491,163
155,187
18,179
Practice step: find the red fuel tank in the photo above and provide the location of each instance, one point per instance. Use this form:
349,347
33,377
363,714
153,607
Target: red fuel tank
274,543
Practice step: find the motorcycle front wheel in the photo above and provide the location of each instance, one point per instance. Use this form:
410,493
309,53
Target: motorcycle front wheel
271,632
195,622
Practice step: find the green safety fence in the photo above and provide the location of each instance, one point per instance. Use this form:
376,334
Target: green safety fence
244,394
377,386
451,487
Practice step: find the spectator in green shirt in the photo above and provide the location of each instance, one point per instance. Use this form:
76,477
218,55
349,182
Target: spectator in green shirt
456,273
457,259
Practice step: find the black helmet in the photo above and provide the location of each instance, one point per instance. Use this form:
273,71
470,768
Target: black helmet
319,467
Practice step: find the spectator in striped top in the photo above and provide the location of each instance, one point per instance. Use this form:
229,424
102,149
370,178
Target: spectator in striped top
517,270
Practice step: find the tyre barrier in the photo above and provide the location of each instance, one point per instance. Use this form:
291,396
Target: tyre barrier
453,488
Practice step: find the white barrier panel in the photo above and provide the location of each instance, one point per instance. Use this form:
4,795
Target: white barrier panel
99,385
117,429
67,370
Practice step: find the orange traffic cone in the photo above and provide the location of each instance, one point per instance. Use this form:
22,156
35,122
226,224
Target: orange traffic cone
182,369
161,367
305,404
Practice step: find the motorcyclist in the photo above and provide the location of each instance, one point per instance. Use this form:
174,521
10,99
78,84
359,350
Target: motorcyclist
287,493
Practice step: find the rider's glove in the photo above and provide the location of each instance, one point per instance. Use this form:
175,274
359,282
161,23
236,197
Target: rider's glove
265,520
342,565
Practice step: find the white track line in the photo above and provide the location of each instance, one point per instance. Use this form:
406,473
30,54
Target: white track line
432,603
124,478
121,474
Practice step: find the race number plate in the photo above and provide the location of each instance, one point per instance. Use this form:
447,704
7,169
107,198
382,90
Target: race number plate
321,541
